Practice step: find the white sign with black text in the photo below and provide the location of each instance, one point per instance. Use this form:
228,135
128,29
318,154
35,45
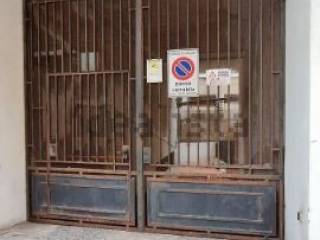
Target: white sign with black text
218,77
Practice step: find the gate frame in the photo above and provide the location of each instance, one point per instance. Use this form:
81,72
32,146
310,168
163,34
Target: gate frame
139,131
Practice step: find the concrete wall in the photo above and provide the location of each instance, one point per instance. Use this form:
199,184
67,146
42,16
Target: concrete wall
12,134
315,122
297,118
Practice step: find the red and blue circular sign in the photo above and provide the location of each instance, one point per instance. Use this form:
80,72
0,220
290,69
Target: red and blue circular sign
183,68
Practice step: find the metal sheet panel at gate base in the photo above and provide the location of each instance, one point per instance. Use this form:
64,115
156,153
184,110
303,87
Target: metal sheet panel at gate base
107,199
218,207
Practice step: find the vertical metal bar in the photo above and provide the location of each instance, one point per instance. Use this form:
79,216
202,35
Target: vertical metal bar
239,28
168,101
86,19
47,93
198,100
261,82
229,92
65,119
48,157
249,73
188,105
178,102
76,115
47,109
56,80
72,116
39,84
105,117
272,81
62,35
89,117
281,11
103,38
55,38
95,78
130,160
160,84
81,116
72,86
94,18
229,125
64,79
96,117
104,79
218,88
78,37
113,88
80,84
139,114
121,76
208,87
31,85
239,57
150,120
218,31
70,38
129,90
178,46
178,23
218,123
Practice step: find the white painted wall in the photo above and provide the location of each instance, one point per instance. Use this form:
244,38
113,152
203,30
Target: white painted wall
315,122
297,118
12,138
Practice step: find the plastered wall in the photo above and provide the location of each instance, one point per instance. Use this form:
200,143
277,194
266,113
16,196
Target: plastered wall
12,138
315,122
297,119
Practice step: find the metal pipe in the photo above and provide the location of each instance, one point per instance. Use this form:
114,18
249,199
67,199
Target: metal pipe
139,119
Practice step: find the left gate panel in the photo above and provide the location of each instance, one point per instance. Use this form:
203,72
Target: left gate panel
109,199
79,111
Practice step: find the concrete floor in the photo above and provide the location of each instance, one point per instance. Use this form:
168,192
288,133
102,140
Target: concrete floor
31,231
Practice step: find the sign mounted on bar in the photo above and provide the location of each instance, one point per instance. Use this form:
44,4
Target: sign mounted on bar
218,77
154,71
183,73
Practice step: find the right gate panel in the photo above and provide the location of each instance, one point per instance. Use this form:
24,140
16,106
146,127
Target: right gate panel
214,162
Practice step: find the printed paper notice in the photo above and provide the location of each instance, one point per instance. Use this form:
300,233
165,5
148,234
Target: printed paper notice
218,77
154,71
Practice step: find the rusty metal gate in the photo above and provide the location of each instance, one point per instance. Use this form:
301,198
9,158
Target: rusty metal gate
106,148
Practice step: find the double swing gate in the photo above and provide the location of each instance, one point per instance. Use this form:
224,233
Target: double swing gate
107,148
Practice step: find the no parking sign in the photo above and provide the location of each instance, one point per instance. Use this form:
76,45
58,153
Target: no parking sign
183,73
